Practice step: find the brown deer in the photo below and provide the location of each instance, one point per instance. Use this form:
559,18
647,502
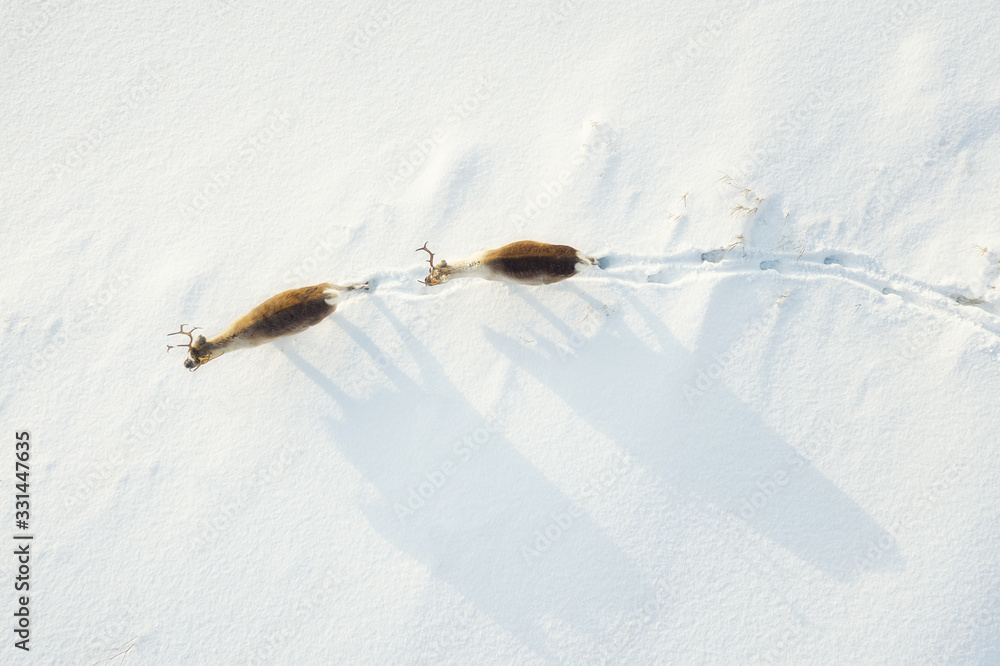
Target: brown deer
288,313
523,262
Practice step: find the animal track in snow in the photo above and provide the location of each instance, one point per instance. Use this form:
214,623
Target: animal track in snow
857,269
770,264
714,256
671,269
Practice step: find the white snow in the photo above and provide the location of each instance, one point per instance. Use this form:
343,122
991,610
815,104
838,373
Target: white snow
732,465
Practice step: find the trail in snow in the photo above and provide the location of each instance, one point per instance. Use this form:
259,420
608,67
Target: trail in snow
722,262
847,267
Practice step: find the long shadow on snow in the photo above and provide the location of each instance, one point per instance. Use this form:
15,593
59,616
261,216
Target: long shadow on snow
471,528
615,376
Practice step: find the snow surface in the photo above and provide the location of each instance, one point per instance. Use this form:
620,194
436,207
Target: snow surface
732,465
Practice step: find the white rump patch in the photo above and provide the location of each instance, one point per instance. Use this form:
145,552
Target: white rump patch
332,296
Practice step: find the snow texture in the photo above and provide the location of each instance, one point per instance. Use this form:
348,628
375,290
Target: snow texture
764,431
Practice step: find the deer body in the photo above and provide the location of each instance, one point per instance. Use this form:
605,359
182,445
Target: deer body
288,313
523,262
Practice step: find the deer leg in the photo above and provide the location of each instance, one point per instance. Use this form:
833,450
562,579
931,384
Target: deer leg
336,292
350,287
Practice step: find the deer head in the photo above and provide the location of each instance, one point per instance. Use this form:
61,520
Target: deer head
199,355
436,274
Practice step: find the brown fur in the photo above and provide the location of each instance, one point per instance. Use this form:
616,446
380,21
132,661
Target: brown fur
288,313
524,262
531,261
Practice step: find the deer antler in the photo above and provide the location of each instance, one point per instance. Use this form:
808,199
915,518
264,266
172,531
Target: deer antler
427,250
183,332
429,261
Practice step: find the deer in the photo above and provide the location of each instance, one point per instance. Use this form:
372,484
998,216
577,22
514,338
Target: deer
288,313
523,262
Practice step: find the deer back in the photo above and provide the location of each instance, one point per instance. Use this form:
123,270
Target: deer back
533,262
288,313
